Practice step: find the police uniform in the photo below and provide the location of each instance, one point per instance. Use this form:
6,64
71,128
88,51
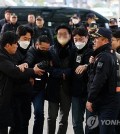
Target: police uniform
102,84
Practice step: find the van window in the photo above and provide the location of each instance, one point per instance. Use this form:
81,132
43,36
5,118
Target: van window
53,16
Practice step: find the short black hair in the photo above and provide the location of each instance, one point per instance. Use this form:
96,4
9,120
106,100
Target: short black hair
23,30
80,31
8,11
63,26
116,34
43,38
8,37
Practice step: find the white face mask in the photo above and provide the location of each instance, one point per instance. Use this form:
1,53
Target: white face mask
80,45
63,41
75,21
24,44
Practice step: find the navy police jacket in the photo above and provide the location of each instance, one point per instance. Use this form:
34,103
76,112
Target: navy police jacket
103,77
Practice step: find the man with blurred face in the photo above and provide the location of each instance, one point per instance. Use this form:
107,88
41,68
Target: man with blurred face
59,81
12,25
102,96
6,19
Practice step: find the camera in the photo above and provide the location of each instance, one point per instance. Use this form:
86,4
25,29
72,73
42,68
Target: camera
43,64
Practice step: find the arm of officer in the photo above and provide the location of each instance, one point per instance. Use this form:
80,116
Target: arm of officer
100,78
12,71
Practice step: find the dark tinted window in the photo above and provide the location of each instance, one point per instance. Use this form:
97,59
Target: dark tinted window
53,16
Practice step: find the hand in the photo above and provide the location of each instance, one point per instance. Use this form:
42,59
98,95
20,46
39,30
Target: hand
38,71
80,69
64,76
92,59
89,106
23,66
32,81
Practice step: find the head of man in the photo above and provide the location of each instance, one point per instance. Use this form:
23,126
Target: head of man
80,37
113,22
91,17
31,18
75,19
101,37
25,34
43,43
13,18
63,33
9,42
39,21
116,40
7,15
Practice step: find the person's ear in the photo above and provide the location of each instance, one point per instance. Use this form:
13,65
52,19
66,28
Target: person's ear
37,45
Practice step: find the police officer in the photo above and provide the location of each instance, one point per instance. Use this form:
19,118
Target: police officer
40,29
6,19
80,78
31,21
39,55
9,75
12,25
102,96
116,47
113,24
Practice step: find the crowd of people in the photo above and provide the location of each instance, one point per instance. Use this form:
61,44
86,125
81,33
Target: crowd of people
76,67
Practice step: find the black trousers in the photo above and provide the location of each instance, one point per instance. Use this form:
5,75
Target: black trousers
22,114
4,130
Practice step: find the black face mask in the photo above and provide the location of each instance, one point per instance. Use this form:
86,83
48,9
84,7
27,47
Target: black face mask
44,53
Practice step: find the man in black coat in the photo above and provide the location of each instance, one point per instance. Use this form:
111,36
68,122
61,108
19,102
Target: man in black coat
40,29
9,75
59,81
12,25
22,94
102,96
6,19
39,54
80,78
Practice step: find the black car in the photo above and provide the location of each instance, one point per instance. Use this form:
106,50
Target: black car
53,16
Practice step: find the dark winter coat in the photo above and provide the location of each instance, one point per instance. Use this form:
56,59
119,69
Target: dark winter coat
9,75
79,88
62,63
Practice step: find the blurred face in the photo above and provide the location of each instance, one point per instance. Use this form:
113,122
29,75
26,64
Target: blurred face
7,16
39,22
115,43
98,42
63,36
31,18
13,19
43,46
11,49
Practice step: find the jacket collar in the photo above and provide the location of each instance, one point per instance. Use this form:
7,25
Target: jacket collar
106,47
